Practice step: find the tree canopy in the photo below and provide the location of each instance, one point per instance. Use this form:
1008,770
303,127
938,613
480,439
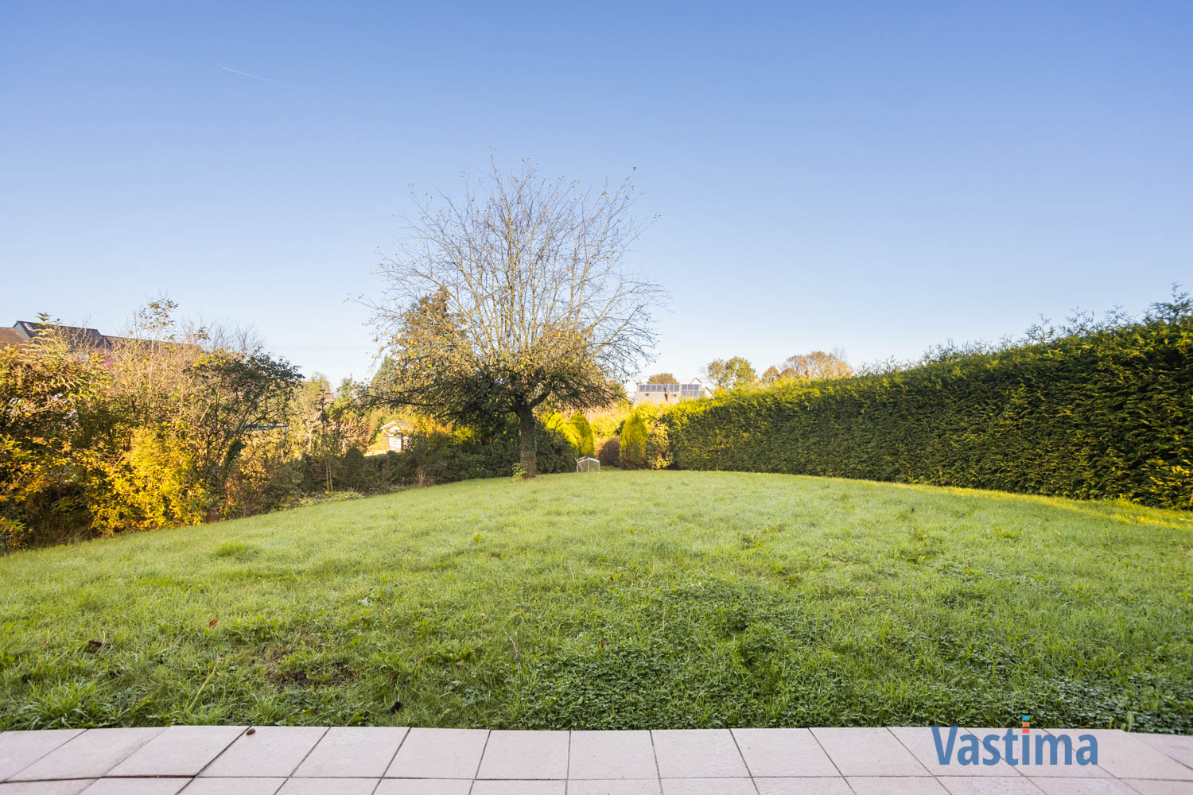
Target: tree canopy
515,294
732,373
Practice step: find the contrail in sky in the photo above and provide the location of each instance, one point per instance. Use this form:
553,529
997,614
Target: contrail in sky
246,74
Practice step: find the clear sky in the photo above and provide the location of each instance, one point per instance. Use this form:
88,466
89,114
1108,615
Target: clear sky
874,176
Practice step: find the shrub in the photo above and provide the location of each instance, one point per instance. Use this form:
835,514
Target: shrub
149,486
633,441
556,424
658,447
266,477
609,422
609,452
1100,410
584,435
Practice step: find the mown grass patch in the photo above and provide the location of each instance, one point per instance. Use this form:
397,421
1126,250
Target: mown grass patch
617,600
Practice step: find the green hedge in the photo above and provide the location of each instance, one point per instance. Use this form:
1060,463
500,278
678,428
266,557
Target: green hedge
1103,411
432,458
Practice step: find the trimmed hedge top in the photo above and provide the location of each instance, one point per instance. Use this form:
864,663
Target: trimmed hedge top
1103,411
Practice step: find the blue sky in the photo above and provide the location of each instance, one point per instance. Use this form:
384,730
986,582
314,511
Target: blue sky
878,177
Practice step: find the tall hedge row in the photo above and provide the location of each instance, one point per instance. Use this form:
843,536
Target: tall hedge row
1104,411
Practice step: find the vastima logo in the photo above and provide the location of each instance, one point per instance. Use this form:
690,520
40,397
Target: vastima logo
1050,749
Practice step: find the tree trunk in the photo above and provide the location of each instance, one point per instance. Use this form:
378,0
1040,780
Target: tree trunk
526,431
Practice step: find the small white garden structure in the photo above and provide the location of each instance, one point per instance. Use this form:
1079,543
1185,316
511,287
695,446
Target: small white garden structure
588,464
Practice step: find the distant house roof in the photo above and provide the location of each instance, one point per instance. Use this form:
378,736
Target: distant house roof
9,336
24,330
395,427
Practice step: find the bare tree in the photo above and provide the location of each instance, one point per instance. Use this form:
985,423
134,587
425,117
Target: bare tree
496,303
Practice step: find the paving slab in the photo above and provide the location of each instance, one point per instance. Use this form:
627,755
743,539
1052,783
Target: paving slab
989,785
783,752
1036,770
65,787
439,753
179,751
519,788
1123,755
19,749
223,760
137,786
1154,787
424,786
610,755
708,786
802,786
1083,786
348,751
269,751
922,744
329,786
1177,746
88,755
698,753
621,786
525,755
887,785
868,752
234,786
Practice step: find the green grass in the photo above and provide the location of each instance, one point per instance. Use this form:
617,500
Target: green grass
617,600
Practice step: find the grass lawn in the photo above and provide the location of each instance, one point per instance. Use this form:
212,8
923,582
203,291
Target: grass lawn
617,600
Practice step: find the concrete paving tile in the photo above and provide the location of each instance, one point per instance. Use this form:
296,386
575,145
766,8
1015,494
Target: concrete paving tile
989,785
1154,787
802,786
921,743
783,752
137,786
611,754
424,786
1178,746
19,749
1060,770
439,753
89,755
234,786
1083,786
349,751
621,786
868,752
886,785
698,753
708,786
519,788
68,787
1123,755
179,751
329,786
269,751
525,755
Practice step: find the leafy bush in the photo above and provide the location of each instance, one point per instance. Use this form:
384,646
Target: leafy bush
609,422
609,452
444,457
1092,410
633,441
658,447
586,439
555,423
147,487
